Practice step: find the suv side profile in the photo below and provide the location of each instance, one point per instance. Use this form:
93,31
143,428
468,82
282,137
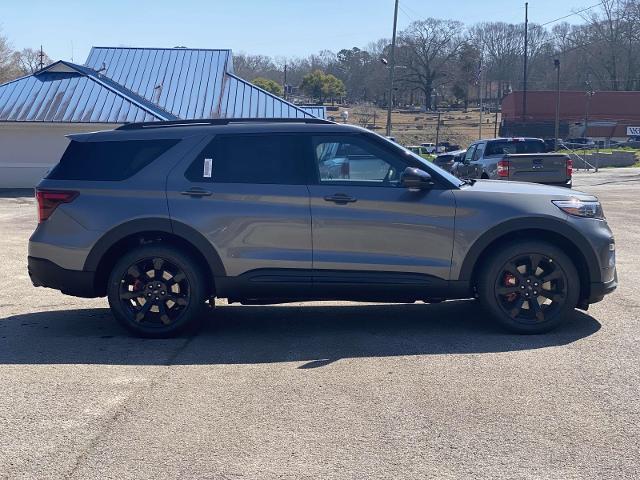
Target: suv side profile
161,217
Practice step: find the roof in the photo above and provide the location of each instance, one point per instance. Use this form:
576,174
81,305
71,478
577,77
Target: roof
66,92
241,99
541,105
186,82
122,85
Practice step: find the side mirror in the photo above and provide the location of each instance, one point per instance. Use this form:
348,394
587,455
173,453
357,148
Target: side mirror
414,178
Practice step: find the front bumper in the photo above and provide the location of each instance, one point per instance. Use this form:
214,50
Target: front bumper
45,273
600,289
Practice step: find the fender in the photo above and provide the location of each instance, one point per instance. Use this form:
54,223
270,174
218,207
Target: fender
551,225
185,232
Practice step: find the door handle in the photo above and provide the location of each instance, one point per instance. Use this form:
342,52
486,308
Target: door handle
196,192
340,198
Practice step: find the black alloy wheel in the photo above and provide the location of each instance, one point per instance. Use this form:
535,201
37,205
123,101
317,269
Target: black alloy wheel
154,291
529,286
157,291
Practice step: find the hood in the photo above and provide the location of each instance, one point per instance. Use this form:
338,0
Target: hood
526,188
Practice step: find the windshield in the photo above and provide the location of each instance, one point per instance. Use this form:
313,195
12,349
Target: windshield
502,147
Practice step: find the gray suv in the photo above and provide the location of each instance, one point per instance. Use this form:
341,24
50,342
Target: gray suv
163,217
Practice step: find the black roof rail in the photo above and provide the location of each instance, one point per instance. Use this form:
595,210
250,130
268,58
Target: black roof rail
218,121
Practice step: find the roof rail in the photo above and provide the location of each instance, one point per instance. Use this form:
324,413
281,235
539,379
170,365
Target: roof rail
217,121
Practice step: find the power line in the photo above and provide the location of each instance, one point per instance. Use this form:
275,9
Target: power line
572,14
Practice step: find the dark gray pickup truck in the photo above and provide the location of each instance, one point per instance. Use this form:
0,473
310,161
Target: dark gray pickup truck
518,159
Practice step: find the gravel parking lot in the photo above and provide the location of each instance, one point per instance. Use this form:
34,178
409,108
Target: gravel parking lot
324,390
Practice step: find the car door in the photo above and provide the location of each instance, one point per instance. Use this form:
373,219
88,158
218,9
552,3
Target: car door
247,195
464,166
476,167
368,230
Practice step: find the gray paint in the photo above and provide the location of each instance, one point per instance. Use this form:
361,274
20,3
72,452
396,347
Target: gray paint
254,227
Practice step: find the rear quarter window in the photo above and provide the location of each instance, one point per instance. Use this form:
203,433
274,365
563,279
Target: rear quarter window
108,161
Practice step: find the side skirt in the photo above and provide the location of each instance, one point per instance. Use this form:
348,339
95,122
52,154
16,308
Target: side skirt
266,286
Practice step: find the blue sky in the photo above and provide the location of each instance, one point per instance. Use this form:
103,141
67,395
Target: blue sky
271,27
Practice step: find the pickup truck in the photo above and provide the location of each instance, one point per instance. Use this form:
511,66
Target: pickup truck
517,159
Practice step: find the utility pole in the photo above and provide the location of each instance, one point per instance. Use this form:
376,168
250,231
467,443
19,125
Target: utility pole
480,99
392,67
556,64
438,132
526,46
284,89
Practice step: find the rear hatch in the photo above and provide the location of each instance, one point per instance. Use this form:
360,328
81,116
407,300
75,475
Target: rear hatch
538,167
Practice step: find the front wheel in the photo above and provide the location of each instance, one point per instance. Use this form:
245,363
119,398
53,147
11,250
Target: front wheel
156,291
529,287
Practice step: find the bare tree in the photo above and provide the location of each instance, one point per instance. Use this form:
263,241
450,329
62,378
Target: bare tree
427,49
7,61
29,60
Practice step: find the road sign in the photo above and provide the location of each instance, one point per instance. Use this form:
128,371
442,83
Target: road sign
633,131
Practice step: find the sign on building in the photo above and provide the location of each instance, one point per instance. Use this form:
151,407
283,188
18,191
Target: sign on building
633,131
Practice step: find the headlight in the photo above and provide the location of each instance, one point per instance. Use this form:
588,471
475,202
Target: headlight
580,208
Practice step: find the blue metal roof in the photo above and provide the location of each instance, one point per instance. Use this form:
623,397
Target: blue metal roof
65,92
186,82
121,85
241,99
315,110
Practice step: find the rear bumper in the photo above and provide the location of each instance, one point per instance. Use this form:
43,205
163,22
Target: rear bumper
45,273
600,289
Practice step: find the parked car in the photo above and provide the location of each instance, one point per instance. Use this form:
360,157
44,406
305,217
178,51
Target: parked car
161,217
431,147
420,150
581,142
447,147
447,160
520,159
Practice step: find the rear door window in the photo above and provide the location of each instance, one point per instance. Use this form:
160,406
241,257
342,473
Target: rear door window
108,161
250,158
506,147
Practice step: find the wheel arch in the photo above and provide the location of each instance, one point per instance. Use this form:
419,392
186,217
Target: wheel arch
149,230
555,232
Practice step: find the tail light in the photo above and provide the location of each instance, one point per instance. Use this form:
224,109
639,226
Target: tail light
345,170
503,168
48,201
569,167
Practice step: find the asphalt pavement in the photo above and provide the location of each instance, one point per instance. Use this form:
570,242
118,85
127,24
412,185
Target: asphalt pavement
327,390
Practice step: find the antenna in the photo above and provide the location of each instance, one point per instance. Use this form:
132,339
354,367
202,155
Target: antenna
72,51
41,62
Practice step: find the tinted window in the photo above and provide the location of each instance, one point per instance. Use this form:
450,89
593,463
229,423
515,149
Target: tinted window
353,159
502,147
280,159
108,161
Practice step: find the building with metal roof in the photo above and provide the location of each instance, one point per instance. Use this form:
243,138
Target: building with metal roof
117,86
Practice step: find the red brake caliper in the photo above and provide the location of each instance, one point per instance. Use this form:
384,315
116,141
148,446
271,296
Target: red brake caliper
510,281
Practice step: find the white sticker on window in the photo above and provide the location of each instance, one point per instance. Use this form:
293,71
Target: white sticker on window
208,167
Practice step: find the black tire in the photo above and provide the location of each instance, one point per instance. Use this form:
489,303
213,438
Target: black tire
161,304
510,295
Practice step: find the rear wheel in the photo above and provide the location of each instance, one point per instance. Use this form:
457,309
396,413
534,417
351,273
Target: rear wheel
156,291
529,287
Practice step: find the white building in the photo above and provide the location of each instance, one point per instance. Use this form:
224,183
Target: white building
117,86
